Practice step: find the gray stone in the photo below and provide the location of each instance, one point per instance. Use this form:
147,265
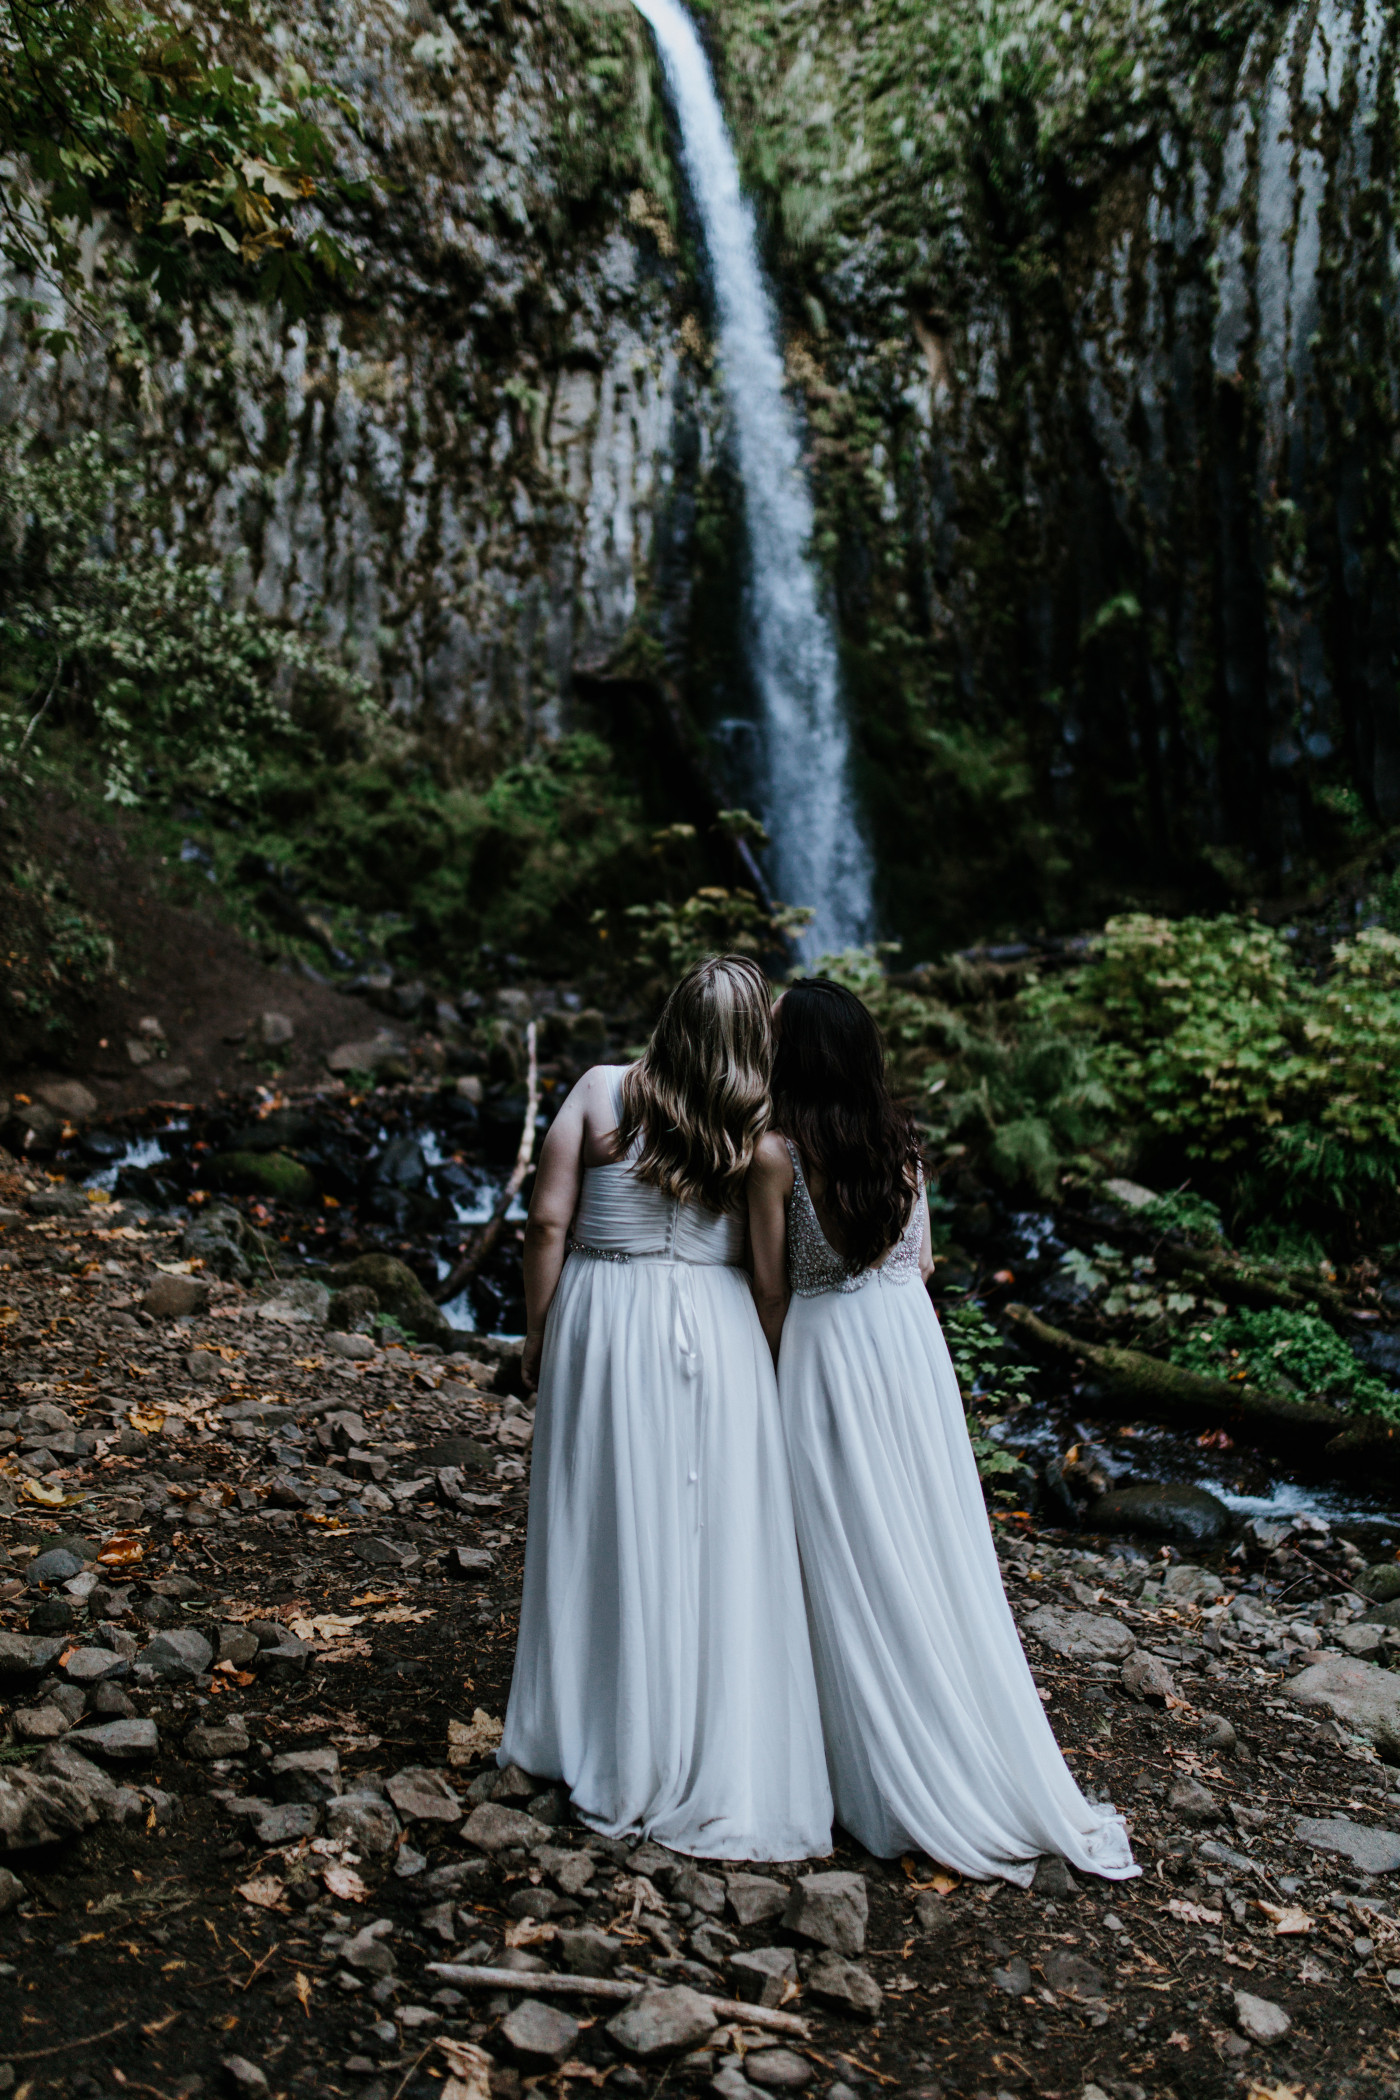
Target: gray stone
37,1808
762,1974
588,1952
932,1914
1053,1877
286,1821
306,1775
176,1297
703,1892
493,1827
85,1666
357,1348
1072,1975
1146,1677
423,1796
1370,1851
1219,1734
570,1872
245,2079
663,2022
58,1565
1014,1979
40,1724
1363,1641
1259,2019
366,1820
368,1952
178,1655
1193,1802
119,1742
780,2070
537,2035
1081,1636
284,1657
1187,1585
1383,1615
12,1890
221,1739
831,1909
1380,1583
237,1645
1183,1515
837,1981
754,1898
1362,1697
378,1552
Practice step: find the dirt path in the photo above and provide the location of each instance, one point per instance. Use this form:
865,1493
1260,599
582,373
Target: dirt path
292,1569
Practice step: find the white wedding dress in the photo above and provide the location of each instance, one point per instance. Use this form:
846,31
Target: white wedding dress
664,1671
936,1739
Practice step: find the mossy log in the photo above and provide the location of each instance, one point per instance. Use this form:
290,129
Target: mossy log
1164,1390
1229,1277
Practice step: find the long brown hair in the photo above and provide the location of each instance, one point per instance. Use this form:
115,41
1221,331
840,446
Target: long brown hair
699,1096
831,1096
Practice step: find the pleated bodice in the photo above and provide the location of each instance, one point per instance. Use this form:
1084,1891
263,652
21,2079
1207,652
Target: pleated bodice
620,1218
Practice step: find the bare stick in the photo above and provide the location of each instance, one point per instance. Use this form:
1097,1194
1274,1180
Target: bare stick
491,1231
605,1987
37,718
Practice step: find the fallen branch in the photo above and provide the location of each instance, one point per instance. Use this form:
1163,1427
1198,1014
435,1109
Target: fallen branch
606,1987
1166,1390
486,1239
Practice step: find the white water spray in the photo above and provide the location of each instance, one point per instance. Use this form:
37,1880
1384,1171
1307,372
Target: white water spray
819,855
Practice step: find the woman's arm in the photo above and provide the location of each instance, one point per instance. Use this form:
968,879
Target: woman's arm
925,1238
768,1187
552,1206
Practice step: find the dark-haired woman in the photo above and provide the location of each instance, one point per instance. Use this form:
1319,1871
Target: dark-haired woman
663,1670
936,1739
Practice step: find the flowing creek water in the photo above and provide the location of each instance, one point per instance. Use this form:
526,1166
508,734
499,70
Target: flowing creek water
414,1173
819,854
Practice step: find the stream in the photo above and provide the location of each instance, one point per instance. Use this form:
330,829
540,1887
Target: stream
413,1172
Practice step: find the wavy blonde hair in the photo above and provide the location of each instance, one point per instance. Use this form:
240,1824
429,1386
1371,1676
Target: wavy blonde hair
699,1096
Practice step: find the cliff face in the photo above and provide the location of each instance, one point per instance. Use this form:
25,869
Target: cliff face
463,478
1092,314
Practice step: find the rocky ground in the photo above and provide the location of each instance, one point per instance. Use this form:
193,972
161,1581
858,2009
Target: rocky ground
257,1612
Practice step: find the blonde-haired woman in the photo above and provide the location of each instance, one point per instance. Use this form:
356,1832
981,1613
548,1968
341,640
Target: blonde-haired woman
664,1669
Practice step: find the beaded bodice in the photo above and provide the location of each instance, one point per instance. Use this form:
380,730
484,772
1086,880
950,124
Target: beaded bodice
814,1265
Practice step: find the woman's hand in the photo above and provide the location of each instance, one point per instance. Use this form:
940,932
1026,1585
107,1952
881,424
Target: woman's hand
530,1361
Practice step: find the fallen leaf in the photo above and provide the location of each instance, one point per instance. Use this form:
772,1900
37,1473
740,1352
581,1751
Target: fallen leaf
471,2070
1277,2092
149,1420
264,1893
373,1597
46,1497
327,1627
942,1884
1193,1913
177,1268
122,1550
1178,2040
346,1883
401,1615
1287,1917
529,1932
469,1740
302,1986
9,1314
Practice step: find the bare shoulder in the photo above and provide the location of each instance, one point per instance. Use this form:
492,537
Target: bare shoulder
772,1164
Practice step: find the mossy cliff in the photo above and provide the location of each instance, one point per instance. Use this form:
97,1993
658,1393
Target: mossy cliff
1091,312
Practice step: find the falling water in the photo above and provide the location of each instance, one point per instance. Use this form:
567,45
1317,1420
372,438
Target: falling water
819,855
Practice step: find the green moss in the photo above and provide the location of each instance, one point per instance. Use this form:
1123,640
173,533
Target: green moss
273,1175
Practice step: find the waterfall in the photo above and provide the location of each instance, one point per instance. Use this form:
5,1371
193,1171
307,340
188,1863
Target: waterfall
819,855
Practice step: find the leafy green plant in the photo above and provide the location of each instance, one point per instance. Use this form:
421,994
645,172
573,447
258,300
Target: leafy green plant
1184,1215
1294,1353
986,1381
108,107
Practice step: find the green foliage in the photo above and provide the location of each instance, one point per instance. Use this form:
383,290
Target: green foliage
55,960
1024,1103
671,938
1292,1353
175,691
1182,1215
986,1381
116,111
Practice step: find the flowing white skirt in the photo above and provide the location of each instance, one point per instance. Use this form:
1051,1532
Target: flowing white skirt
935,1735
664,1671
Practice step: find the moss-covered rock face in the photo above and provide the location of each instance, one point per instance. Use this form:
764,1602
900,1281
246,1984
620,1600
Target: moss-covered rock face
275,1175
1093,314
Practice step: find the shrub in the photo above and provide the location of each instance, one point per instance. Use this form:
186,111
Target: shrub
1294,1353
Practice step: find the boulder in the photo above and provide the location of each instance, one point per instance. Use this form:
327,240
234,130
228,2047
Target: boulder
178,1655
1081,1636
1052,1877
119,1742
67,1097
304,1301
493,1828
423,1796
1362,1697
754,1898
1259,2019
306,1775
1174,1511
837,1981
1370,1851
538,2036
398,1292
39,1724
275,1176
1380,1583
223,1240
207,1742
1147,1677
831,1909
37,1808
663,2022
24,1657
55,1565
176,1297
1187,1585
368,1821
762,1974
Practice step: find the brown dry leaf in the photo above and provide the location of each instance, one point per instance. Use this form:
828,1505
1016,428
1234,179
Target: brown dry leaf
1287,1918
471,2071
942,1884
149,1420
302,1986
326,1627
122,1550
1193,1913
1277,2092
401,1615
469,1740
373,1597
46,1497
9,1314
345,1883
264,1892
529,1932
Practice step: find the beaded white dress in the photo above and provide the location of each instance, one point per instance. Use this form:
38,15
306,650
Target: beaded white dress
936,1739
663,1670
